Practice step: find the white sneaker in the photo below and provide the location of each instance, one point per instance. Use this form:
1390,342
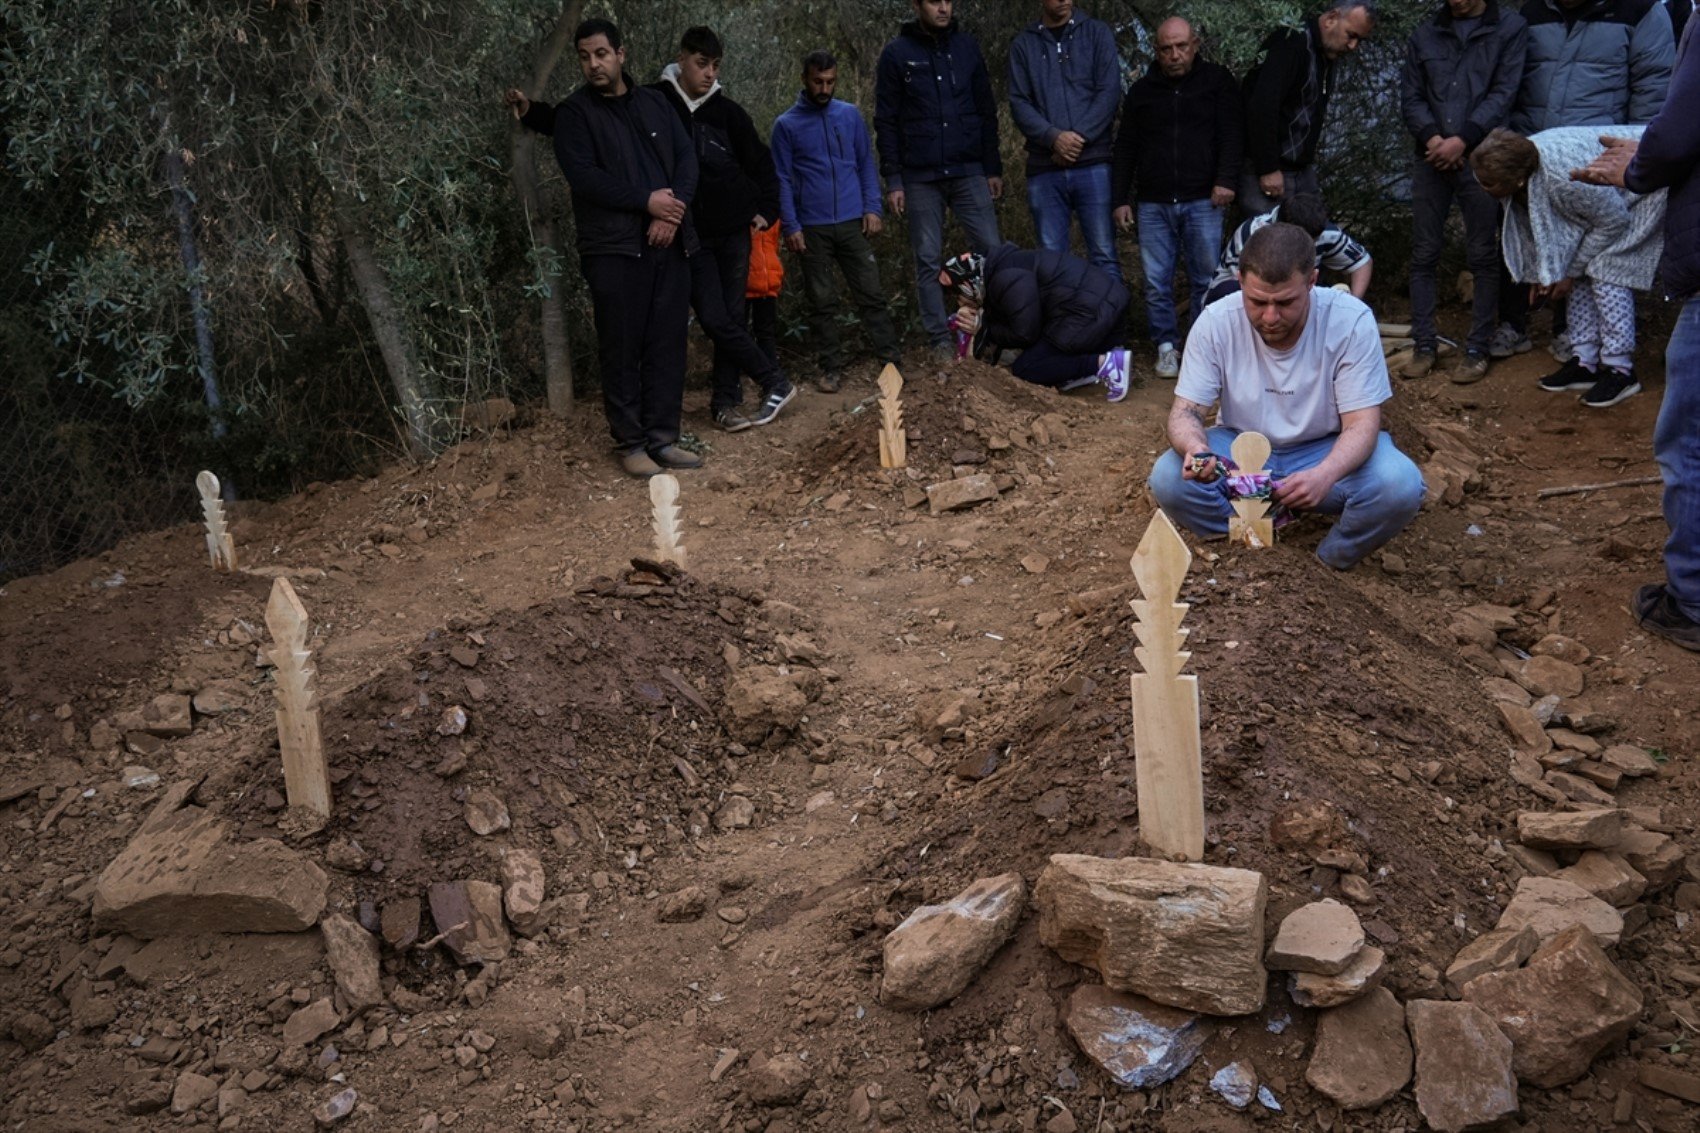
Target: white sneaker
1113,372
1168,360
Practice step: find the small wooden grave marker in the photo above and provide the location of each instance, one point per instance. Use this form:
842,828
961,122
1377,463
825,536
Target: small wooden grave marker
1251,524
1168,769
894,441
221,548
664,503
305,778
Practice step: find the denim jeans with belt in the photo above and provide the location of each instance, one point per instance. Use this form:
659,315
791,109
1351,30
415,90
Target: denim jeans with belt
1676,446
1166,233
1056,196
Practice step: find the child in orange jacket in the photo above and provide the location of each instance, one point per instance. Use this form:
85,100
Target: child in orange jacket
767,276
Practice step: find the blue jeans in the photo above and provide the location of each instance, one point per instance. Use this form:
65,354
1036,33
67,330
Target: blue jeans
1166,232
1676,446
924,202
1374,503
1057,195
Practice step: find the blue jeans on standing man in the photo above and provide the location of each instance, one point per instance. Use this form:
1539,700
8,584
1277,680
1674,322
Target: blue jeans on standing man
1166,232
1057,195
1374,502
924,203
1676,446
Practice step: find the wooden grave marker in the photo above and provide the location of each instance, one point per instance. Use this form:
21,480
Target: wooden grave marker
664,505
1167,764
1250,523
894,441
306,780
221,548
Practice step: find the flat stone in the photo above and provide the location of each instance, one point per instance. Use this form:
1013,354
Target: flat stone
310,1023
1607,876
1509,692
167,716
1561,647
1362,1056
1497,950
1571,830
931,957
1322,937
399,922
486,813
1538,863
215,698
183,873
1549,906
1673,1082
1463,1065
965,491
1633,761
1526,771
469,914
1310,989
1574,741
1138,1043
1579,790
522,887
1497,618
1525,729
1561,1010
191,1092
352,953
1656,857
1182,934
1606,778
1548,676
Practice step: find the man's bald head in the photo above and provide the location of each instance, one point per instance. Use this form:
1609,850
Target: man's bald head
1177,47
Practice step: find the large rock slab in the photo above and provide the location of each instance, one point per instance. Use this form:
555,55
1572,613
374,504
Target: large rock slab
1182,934
1561,1010
938,949
183,873
965,491
1309,989
469,915
1463,1064
352,953
1571,830
1655,856
1550,905
1363,1054
1138,1043
1546,675
1322,937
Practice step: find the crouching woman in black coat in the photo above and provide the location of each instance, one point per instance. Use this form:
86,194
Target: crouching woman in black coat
1063,314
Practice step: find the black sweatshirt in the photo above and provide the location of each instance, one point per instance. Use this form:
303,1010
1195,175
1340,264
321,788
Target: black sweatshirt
1179,138
1286,99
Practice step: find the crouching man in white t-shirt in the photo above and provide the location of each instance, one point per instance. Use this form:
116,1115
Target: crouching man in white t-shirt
1303,366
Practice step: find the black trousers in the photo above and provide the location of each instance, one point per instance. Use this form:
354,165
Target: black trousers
641,304
720,271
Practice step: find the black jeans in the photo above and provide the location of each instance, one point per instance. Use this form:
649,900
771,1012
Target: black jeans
642,310
719,273
845,245
764,323
1045,365
1432,194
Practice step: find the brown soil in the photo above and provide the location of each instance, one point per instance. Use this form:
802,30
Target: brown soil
499,580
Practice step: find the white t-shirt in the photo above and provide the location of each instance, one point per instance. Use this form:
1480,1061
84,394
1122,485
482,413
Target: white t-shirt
1290,396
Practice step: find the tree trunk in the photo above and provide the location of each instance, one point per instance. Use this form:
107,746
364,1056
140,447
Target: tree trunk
412,387
557,349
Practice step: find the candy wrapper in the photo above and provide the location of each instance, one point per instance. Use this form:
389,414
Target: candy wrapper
964,339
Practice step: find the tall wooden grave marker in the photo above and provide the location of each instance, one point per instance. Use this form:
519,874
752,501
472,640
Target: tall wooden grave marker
305,778
664,504
221,548
1169,771
1250,523
894,441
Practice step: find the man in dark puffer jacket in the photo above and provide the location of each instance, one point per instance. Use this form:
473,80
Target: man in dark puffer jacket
1061,312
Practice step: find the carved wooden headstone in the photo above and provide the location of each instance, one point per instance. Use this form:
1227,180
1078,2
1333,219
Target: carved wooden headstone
664,504
1250,523
306,780
221,548
894,441
1169,771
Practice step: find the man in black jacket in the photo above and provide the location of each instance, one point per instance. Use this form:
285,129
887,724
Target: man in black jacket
1286,100
1462,72
1178,154
633,173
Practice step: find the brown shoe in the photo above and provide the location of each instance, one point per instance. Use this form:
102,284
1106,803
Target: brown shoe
1472,369
1419,366
637,463
672,456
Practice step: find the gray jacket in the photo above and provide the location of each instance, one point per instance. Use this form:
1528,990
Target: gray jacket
1610,64
1462,87
1066,81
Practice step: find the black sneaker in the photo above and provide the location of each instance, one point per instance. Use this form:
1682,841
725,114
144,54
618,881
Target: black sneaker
1614,386
1656,612
777,398
730,420
1571,375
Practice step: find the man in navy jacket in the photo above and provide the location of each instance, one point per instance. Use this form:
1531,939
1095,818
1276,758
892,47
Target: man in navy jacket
937,126
829,204
1064,83
1668,157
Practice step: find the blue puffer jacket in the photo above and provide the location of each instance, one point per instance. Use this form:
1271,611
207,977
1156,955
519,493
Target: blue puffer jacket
825,165
1607,62
934,115
1669,157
